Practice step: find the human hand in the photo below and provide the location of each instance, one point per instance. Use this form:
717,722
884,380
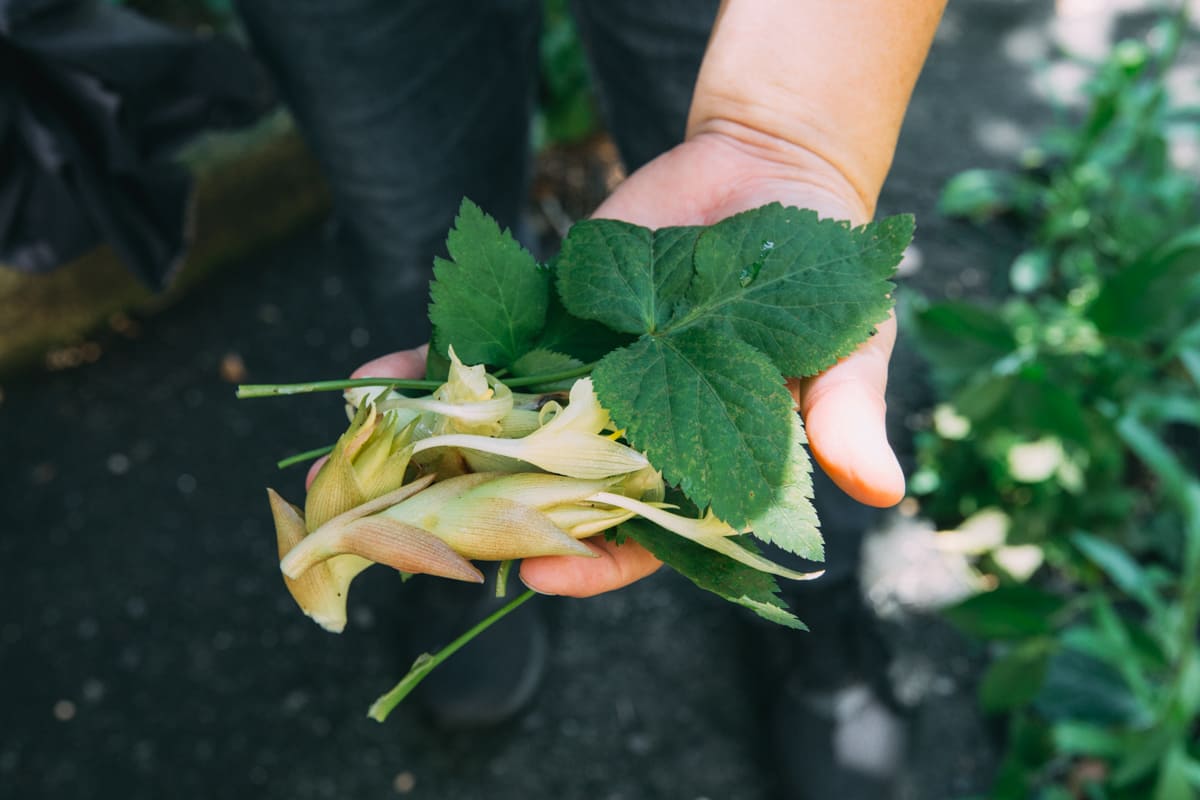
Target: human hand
708,178
704,180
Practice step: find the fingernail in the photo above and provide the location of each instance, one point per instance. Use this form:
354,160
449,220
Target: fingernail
533,588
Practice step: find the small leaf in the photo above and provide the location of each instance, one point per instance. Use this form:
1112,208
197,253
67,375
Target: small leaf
715,573
1015,678
1173,780
545,362
1119,566
1084,739
490,300
1154,293
1008,612
978,194
1085,689
710,410
623,275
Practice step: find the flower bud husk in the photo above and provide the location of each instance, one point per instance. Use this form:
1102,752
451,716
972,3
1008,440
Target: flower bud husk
567,452
707,531
383,541
321,592
498,529
369,459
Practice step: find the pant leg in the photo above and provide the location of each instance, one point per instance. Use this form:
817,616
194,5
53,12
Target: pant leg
409,105
645,56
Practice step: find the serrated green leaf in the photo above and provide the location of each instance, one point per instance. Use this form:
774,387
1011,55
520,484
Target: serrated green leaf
791,521
490,300
715,573
803,290
710,411
623,275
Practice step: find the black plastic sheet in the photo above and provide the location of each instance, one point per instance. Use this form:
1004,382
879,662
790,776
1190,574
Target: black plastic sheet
93,100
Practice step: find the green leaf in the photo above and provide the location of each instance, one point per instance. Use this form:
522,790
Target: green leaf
1015,678
490,300
1083,739
1009,612
1153,294
583,339
545,362
978,194
1082,688
715,573
1119,566
710,411
718,307
623,275
1173,779
958,338
805,291
791,521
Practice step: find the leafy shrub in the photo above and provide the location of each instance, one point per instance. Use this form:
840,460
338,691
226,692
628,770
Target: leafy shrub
1073,407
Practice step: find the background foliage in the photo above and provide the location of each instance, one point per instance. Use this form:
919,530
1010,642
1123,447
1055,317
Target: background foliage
1071,413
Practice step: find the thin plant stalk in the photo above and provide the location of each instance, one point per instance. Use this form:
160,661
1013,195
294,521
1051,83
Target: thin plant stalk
426,663
307,455
246,391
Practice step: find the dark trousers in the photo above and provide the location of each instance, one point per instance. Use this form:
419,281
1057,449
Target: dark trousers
410,105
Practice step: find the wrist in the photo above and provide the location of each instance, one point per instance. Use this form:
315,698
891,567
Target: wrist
770,167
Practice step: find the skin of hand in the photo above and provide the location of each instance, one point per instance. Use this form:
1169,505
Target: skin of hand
800,102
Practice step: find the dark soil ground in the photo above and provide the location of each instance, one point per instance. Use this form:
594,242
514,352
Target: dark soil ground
148,648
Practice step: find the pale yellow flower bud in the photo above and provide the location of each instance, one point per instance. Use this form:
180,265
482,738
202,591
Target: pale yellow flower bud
369,460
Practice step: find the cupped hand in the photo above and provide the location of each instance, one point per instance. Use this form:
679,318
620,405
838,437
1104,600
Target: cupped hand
700,182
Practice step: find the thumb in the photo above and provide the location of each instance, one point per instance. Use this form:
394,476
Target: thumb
844,415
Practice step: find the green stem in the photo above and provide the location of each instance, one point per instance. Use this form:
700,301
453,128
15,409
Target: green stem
426,663
502,577
246,391
280,389
307,455
550,377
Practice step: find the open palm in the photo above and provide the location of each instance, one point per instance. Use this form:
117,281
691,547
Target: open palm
704,180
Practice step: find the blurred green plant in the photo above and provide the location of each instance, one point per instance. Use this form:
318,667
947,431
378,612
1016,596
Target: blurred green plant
566,103
1073,407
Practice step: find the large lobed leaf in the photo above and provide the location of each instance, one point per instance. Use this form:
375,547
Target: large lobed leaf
723,313
490,301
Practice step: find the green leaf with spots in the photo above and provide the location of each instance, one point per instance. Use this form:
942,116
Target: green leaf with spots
490,300
714,572
805,291
710,411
